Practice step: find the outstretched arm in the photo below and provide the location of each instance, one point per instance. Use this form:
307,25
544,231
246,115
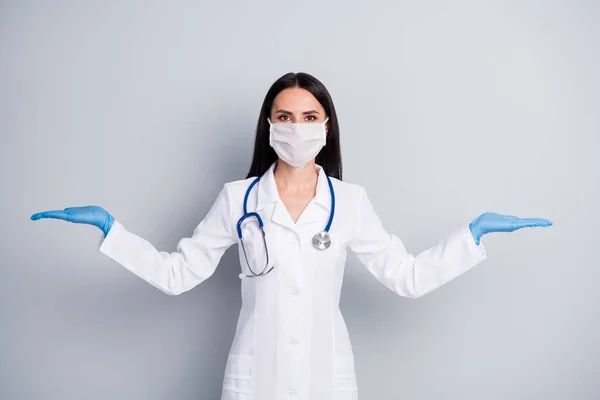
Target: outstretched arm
194,261
386,258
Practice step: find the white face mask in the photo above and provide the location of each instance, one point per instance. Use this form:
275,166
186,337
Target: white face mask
297,143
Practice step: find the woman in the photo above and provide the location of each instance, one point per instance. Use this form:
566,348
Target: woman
291,340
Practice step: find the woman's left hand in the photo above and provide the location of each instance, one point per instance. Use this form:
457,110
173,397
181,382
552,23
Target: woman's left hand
492,222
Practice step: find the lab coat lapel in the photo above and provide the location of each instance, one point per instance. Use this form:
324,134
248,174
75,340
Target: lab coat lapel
268,195
317,211
281,216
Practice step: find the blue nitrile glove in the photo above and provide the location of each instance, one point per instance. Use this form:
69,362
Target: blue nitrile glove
91,215
492,222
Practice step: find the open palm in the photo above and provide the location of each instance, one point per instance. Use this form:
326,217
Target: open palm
91,215
492,222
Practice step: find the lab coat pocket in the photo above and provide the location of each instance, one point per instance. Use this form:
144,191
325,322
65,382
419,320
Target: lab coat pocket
344,378
237,382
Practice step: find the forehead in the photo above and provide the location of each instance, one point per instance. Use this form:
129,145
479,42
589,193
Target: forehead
296,99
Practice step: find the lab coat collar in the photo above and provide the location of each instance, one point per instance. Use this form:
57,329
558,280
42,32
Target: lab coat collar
267,189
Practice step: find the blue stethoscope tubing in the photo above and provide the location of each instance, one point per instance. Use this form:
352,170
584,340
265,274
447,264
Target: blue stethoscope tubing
321,240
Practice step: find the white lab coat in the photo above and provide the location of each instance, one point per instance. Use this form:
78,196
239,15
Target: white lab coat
291,340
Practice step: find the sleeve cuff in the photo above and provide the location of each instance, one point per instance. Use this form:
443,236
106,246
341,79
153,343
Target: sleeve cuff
478,251
105,243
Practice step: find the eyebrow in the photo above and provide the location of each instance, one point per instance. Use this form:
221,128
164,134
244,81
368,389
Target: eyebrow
290,113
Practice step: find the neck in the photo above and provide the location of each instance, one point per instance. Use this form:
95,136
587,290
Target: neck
288,177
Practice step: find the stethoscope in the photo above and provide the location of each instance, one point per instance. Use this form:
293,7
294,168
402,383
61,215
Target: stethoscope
321,240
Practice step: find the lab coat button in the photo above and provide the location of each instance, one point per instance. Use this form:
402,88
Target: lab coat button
293,341
291,392
295,292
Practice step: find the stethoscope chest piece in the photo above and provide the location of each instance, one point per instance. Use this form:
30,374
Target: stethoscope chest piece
321,241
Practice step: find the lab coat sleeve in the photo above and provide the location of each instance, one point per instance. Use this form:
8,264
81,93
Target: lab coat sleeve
194,261
385,256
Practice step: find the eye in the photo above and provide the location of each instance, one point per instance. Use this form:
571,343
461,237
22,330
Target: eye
311,118
283,117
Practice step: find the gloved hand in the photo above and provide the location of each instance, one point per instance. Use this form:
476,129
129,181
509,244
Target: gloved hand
91,215
492,222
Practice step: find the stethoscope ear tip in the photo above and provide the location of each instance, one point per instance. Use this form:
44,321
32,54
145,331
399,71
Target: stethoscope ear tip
241,276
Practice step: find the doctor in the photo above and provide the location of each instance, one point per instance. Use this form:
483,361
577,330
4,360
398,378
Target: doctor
293,219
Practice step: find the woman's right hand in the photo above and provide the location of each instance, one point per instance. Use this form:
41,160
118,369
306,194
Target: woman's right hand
91,215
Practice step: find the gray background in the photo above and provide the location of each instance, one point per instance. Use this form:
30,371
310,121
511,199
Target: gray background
447,110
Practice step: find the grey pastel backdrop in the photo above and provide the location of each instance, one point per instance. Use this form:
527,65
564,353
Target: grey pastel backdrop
447,109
